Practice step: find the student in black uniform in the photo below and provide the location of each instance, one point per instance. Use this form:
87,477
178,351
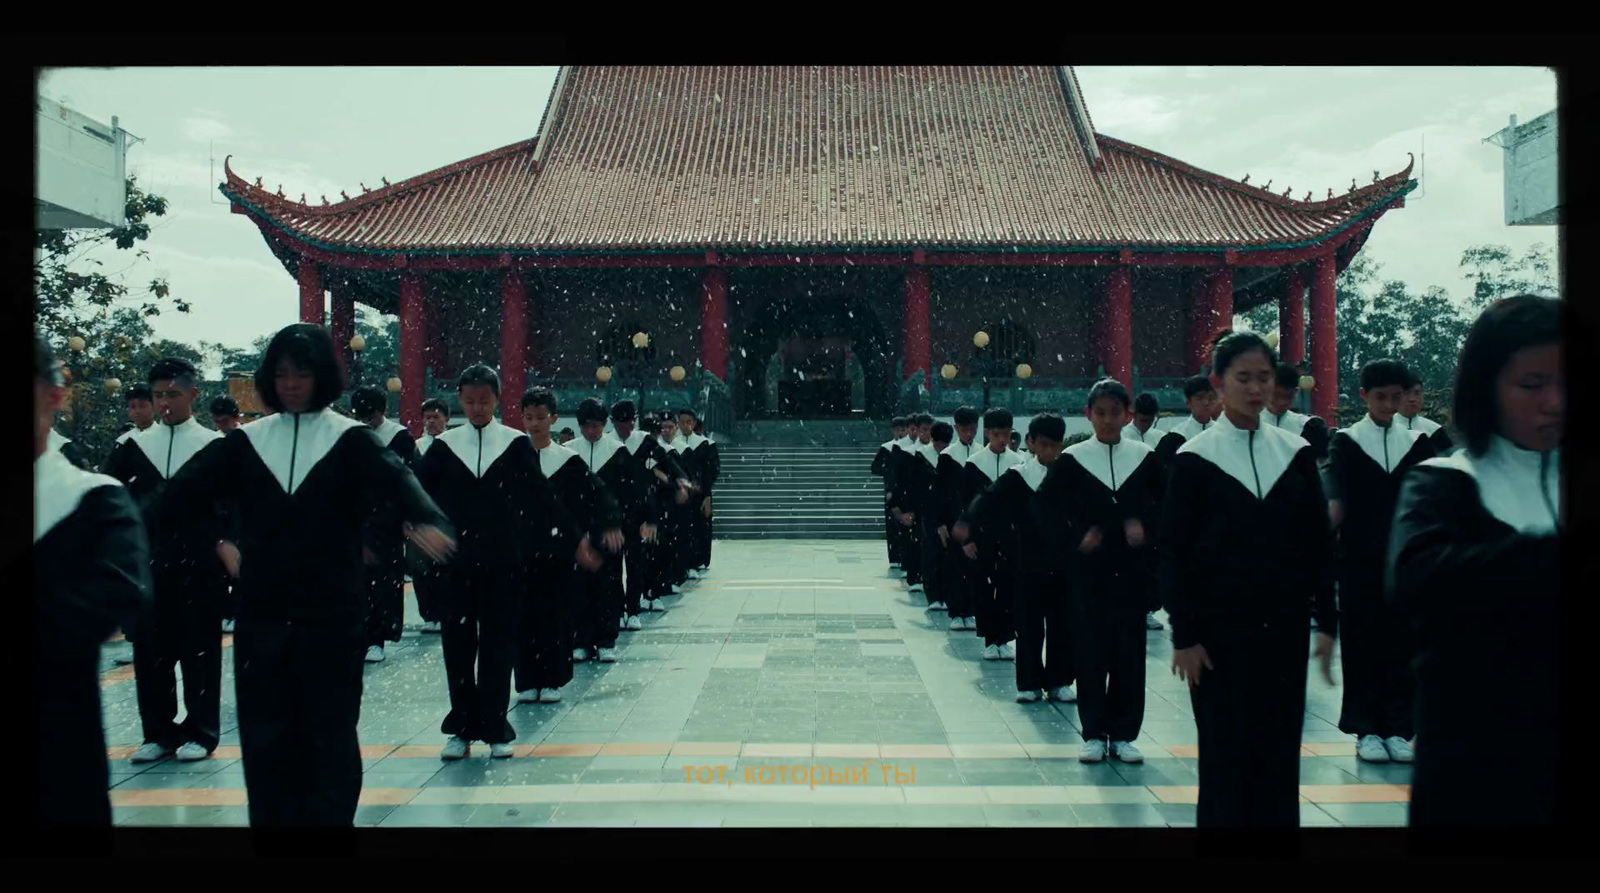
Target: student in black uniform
424,574
298,484
672,571
568,616
141,411
926,504
907,477
1108,489
1411,416
607,458
225,414
1017,445
954,568
708,466
91,575
1142,427
1279,413
1009,509
1474,561
1240,490
385,540
1366,463
486,475
188,579
1201,396
659,483
882,466
990,576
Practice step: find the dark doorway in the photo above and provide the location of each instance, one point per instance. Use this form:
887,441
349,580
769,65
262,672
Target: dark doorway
814,356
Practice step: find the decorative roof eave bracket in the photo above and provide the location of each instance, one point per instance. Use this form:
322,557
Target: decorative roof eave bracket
1080,117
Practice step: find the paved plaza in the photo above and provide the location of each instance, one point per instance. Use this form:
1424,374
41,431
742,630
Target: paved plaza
789,654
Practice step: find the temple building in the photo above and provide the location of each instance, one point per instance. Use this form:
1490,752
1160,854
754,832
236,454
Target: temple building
821,242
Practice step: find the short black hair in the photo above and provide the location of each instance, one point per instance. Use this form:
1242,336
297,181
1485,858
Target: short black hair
1413,380
45,366
174,369
140,391
1383,373
942,431
966,415
1146,404
997,418
309,347
1234,345
623,411
366,400
1195,385
1051,426
1287,376
479,373
899,421
922,418
567,432
592,410
541,397
1107,387
1507,326
224,406
434,404
688,412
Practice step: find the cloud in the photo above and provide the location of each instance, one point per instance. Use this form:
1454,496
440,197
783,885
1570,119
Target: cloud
204,129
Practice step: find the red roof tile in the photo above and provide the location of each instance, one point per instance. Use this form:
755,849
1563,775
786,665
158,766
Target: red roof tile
688,158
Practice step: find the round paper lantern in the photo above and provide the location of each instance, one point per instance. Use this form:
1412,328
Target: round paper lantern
677,373
1024,370
948,371
1272,340
641,340
113,385
603,374
1307,382
358,343
981,339
76,342
394,385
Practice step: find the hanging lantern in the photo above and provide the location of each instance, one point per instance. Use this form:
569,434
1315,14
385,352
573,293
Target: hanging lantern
1024,370
641,340
1307,382
948,371
113,385
358,343
981,340
394,385
77,343
603,374
1272,340
677,373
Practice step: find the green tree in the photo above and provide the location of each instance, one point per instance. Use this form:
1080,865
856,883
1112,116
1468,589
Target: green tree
1496,272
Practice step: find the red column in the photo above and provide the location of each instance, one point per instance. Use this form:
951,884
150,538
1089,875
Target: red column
919,339
343,326
1324,349
513,347
1221,305
1292,319
1118,326
412,377
714,323
310,291
1199,321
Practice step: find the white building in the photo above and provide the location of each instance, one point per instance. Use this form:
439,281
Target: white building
1533,195
82,170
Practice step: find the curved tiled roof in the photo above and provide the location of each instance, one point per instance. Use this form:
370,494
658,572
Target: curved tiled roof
752,158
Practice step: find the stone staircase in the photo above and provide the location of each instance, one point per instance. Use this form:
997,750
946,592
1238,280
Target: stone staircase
801,480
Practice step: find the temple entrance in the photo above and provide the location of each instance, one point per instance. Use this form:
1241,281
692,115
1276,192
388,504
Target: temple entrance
814,357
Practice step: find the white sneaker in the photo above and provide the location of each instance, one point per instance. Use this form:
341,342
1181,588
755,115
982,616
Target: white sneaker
454,749
227,626
1092,751
1126,752
432,626
1027,697
970,623
375,654
150,752
622,623
192,751
635,623
499,751
656,605
528,697
991,652
1150,622
915,587
1008,651
955,623
579,655
1370,749
937,606
676,589
549,695
607,655
1064,694
1399,749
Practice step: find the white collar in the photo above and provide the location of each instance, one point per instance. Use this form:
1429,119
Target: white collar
552,457
1290,421
423,442
1131,431
478,448
1509,480
57,440
296,442
1264,457
1110,464
1031,470
1190,427
928,453
961,452
168,447
907,443
696,440
1384,446
994,464
388,430
58,490
135,432
1420,423
886,445
597,454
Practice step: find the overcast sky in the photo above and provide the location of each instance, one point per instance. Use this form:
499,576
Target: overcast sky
319,130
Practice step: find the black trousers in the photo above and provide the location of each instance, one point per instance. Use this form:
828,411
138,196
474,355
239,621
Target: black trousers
299,692
545,642
185,628
597,605
639,579
992,600
1376,659
891,537
479,637
1249,711
425,585
72,775
1109,642
701,527
929,564
1044,631
386,596
230,601
1448,786
910,553
955,570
